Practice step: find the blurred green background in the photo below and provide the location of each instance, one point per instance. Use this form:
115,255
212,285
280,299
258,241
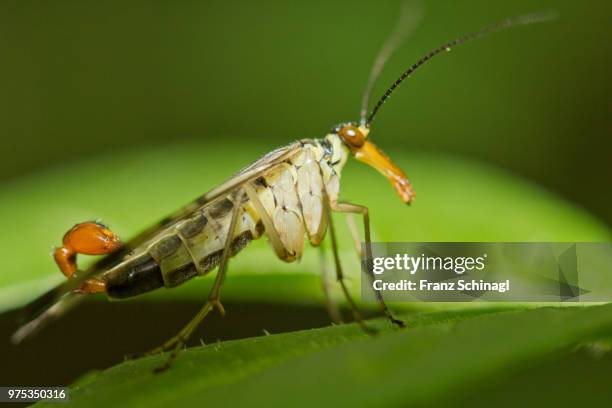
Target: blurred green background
85,78
127,110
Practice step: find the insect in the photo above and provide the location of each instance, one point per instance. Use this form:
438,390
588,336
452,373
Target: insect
288,195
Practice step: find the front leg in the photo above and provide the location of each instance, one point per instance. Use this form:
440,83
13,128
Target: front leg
340,274
362,210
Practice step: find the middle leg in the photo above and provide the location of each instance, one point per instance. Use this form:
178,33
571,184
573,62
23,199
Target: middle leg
178,342
340,274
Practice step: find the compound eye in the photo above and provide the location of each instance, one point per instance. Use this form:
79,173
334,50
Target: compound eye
352,135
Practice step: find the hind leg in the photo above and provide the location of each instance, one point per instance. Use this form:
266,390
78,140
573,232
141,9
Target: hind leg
178,342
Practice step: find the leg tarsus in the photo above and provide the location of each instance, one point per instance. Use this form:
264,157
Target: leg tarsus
340,276
170,360
355,310
217,304
167,346
399,323
176,343
181,339
359,209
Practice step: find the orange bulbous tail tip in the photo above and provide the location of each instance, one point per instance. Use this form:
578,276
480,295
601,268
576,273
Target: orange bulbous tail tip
88,238
91,238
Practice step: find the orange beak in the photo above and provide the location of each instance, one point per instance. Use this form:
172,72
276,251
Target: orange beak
370,154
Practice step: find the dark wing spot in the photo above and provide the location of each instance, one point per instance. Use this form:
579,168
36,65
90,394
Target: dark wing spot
165,247
261,181
166,220
221,208
201,200
194,225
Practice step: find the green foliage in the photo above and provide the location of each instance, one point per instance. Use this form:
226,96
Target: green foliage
437,357
440,353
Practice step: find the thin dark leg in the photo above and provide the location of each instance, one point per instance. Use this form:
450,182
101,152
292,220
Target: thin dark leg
340,276
359,209
332,307
178,342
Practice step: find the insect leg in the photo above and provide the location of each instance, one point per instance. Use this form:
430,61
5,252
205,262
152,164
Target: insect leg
340,274
185,242
177,342
352,226
332,307
359,209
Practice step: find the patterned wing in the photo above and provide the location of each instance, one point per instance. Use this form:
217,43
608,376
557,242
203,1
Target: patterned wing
58,300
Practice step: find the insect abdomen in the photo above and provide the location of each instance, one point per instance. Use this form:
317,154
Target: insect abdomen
139,275
195,245
144,274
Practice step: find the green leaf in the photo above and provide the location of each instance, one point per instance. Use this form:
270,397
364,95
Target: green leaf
439,354
457,200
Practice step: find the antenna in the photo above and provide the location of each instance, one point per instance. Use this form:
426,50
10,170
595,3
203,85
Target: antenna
411,14
501,25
